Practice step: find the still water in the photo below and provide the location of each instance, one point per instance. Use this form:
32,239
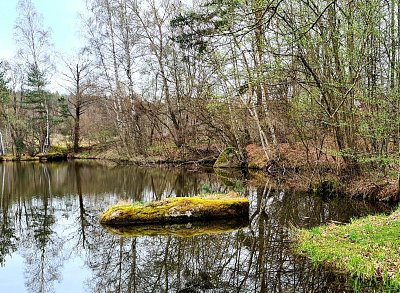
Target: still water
51,240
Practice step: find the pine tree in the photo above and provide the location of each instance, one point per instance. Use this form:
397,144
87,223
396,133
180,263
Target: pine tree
37,103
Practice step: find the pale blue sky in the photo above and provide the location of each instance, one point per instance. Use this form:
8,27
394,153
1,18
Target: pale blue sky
61,16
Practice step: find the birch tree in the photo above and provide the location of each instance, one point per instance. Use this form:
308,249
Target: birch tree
113,42
34,50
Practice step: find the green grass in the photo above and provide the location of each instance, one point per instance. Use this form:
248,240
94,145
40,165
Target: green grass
58,149
368,249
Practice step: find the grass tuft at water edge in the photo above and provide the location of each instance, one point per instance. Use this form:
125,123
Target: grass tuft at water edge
367,249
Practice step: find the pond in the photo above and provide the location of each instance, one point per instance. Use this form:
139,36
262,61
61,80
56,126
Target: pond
51,240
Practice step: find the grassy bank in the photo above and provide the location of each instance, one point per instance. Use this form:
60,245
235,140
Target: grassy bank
368,249
50,156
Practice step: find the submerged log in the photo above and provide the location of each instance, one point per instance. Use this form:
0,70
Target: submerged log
181,230
178,210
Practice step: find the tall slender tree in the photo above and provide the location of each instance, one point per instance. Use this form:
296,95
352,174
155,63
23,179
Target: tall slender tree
34,49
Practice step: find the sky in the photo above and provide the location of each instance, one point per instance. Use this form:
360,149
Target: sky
60,16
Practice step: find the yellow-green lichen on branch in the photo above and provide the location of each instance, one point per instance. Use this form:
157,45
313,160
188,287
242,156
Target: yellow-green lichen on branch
178,210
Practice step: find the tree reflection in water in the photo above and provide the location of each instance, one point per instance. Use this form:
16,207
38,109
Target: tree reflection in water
50,216
257,259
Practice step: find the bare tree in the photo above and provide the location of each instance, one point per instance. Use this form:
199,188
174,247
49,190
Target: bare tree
81,91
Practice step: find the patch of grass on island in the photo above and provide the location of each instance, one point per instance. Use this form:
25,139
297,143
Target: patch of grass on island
367,249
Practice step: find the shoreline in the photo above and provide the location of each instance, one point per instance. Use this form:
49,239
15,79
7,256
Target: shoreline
290,172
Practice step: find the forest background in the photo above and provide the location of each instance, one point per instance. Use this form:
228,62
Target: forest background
286,85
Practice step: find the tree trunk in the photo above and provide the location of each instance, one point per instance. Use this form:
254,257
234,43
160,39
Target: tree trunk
1,143
47,138
77,129
392,45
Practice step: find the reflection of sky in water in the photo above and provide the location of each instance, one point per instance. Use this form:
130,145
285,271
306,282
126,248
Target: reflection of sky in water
74,276
73,273
11,276
77,255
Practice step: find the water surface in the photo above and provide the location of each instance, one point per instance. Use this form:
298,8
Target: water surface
51,240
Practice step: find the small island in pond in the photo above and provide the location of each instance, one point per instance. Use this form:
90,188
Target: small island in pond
178,210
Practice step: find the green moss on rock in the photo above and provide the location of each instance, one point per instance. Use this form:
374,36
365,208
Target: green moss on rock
51,157
228,158
178,210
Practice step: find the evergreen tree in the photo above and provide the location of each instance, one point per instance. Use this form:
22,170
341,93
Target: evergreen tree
37,103
4,99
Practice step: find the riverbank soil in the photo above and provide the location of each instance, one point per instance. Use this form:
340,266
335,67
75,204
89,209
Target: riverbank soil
293,166
367,249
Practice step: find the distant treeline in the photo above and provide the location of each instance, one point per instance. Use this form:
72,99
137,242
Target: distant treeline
160,77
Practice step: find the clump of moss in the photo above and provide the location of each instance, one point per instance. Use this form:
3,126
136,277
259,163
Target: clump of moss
366,249
178,210
228,158
54,156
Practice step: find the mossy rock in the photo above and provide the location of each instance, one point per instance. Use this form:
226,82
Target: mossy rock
180,230
53,157
178,210
228,158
